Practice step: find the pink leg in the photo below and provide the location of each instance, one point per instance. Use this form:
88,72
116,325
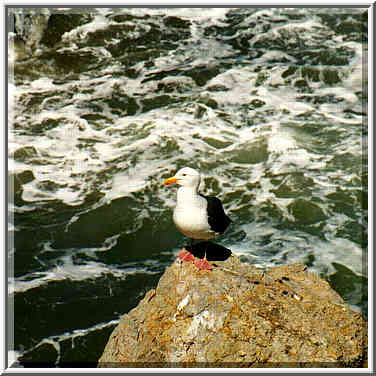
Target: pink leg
203,264
184,255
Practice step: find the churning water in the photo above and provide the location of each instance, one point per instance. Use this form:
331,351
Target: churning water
104,104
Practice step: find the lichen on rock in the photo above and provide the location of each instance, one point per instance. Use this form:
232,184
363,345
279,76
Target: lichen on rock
237,315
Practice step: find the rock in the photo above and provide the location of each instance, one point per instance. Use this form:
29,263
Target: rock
238,316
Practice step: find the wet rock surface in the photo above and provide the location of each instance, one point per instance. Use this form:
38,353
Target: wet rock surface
238,315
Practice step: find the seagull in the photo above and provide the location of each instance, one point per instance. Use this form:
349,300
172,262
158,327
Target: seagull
195,215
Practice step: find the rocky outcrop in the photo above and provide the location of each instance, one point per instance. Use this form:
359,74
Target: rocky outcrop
237,315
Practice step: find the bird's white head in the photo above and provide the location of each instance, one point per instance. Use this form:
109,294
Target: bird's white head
186,177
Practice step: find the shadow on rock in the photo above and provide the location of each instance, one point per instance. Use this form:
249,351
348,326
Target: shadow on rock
214,252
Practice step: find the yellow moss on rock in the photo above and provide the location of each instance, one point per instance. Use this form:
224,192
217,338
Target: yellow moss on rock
236,316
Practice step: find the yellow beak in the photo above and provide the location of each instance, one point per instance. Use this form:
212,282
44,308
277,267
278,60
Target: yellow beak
170,180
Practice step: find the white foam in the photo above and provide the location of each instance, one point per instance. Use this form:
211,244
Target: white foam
67,270
339,250
55,340
358,70
280,141
296,246
214,15
240,84
99,23
43,84
132,151
273,55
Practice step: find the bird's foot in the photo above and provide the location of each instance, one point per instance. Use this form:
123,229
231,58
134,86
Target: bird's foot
184,255
203,264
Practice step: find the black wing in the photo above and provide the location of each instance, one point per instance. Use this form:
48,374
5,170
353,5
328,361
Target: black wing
217,218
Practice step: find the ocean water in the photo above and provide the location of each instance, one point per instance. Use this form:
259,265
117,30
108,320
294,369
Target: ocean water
270,104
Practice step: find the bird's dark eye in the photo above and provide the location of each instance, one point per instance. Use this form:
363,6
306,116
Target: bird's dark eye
184,174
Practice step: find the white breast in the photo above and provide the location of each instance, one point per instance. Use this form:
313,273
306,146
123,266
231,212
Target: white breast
190,215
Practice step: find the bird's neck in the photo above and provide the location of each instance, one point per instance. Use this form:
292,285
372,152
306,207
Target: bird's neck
187,195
